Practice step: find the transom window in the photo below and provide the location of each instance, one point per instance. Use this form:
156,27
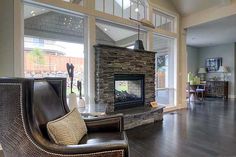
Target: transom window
135,9
163,21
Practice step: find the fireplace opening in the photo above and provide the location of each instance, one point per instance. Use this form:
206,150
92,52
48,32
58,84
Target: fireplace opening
129,90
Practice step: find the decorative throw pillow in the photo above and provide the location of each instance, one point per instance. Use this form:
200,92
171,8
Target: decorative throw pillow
67,130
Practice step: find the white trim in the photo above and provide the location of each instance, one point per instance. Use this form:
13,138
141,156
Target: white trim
92,13
162,9
80,10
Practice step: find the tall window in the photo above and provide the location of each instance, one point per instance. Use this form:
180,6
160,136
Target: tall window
163,21
135,9
51,40
107,34
165,69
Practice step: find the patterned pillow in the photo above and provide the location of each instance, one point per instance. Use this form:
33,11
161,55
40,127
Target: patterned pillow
67,130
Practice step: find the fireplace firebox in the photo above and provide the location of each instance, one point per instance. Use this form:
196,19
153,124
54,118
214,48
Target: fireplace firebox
129,90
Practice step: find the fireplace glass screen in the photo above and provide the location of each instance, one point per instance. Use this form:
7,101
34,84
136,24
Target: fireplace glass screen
129,91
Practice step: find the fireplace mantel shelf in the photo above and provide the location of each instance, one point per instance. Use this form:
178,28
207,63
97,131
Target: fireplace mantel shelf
120,48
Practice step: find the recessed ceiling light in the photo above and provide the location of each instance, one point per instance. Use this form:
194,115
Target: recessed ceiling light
136,10
32,12
105,29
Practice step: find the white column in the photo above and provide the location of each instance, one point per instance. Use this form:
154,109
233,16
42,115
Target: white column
18,38
182,75
7,38
11,44
90,41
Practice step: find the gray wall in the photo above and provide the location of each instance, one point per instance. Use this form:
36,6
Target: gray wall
193,59
197,57
7,38
227,52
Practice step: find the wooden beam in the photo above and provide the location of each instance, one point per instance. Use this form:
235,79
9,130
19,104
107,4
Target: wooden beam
211,14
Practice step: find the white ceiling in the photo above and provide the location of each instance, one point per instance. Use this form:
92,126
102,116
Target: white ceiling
116,33
186,7
213,33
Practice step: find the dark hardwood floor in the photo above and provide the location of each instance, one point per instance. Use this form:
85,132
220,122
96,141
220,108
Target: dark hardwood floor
206,129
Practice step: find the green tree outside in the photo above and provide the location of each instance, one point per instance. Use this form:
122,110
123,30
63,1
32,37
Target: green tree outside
37,56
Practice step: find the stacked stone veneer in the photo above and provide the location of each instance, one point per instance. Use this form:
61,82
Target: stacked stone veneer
111,60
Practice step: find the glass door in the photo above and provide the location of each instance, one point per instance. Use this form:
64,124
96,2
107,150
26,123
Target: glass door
165,70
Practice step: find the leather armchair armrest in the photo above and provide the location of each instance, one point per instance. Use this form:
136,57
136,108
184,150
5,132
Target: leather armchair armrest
106,124
92,147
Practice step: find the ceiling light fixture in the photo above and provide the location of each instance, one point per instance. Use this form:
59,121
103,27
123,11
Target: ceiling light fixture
105,29
32,12
139,43
136,10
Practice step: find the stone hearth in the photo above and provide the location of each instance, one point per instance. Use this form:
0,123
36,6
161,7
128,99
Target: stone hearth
111,60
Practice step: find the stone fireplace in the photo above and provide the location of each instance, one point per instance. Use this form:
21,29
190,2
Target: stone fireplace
124,77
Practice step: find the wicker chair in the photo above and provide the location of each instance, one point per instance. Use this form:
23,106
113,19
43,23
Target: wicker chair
23,121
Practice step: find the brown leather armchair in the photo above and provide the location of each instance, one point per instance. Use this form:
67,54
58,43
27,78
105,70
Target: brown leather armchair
26,105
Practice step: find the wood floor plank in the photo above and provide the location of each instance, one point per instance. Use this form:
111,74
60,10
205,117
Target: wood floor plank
206,129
